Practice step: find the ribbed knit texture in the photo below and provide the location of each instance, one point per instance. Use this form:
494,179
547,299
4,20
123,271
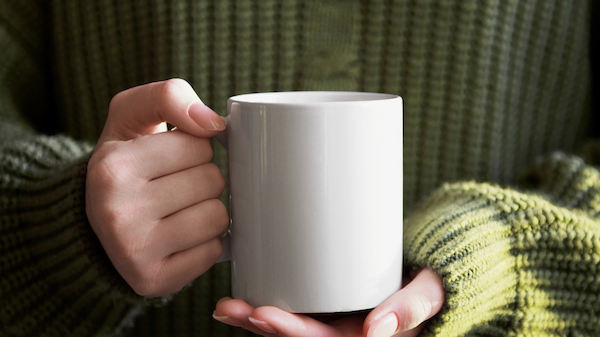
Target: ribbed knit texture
514,263
486,83
488,86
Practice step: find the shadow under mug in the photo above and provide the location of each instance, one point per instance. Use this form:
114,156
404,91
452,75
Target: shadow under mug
315,199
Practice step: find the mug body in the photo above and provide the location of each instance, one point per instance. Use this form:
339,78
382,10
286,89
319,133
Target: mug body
316,199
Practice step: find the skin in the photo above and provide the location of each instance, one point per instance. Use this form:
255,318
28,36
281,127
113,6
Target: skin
151,198
419,300
151,193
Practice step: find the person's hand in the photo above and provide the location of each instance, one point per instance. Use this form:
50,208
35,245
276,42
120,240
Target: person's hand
402,314
151,193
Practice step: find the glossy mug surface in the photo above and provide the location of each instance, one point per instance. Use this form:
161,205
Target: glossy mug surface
316,199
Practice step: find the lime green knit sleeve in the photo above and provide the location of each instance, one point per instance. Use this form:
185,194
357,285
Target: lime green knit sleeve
514,263
55,279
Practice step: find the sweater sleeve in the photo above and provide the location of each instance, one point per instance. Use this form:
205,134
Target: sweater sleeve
514,262
55,277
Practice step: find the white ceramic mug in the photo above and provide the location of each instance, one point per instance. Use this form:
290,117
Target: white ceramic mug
315,199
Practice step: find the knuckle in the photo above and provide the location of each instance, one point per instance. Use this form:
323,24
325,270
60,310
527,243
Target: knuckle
134,267
416,312
110,219
213,216
112,169
138,284
116,100
170,89
221,215
179,82
135,251
423,306
144,288
106,183
141,290
131,248
215,250
110,166
406,321
215,177
146,281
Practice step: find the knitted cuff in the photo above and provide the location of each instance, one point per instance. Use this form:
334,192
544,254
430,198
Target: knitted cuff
567,180
511,263
56,279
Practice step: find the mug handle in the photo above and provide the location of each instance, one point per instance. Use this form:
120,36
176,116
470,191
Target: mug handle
222,138
226,243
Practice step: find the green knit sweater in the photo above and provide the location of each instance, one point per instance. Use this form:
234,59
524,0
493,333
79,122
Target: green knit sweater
492,90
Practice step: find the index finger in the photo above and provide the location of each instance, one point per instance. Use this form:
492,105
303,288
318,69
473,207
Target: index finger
136,111
164,153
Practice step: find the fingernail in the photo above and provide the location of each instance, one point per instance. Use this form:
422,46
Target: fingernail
264,326
206,117
384,326
228,320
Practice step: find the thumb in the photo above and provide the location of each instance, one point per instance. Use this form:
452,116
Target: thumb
138,111
404,311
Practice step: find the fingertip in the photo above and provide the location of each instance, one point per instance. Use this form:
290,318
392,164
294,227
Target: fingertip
228,320
262,325
385,326
275,318
226,298
418,301
205,117
228,306
234,307
262,313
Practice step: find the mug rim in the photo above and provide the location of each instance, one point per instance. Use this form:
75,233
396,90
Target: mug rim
304,98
